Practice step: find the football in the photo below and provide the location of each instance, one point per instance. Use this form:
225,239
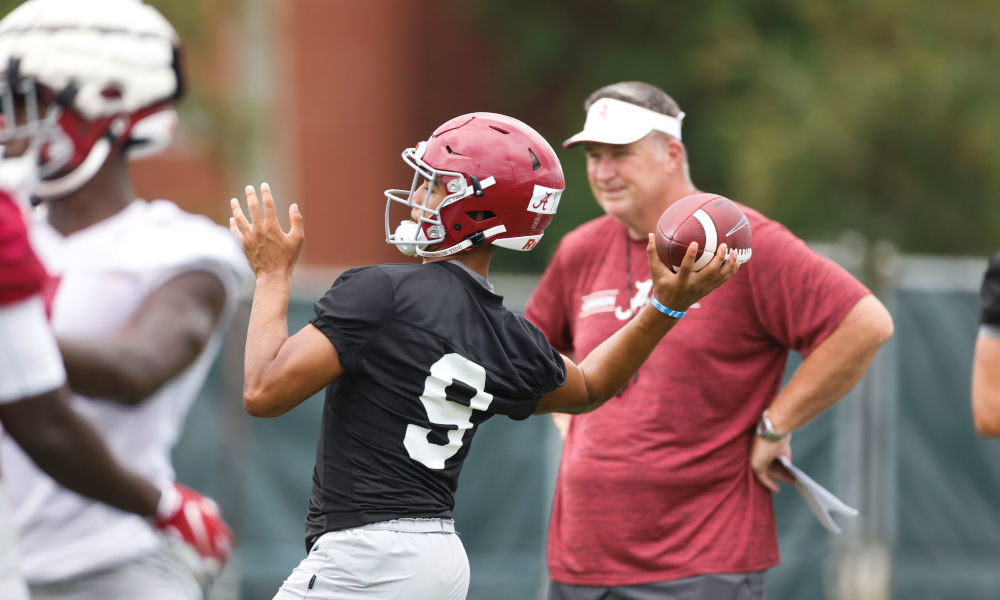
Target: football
708,219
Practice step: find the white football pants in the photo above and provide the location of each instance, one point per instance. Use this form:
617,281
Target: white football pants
403,559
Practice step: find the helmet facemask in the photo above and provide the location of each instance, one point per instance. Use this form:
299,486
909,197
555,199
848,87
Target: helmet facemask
27,126
410,237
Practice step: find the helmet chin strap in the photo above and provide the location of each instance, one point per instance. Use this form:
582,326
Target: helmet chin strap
474,240
77,178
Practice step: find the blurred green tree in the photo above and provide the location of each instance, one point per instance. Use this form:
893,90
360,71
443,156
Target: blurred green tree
825,115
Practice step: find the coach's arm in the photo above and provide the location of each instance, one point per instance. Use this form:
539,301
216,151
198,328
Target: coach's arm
832,369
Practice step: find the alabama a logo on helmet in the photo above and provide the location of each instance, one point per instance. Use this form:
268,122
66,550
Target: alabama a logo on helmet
544,200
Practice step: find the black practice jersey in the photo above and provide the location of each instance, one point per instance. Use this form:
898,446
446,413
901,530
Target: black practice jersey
429,354
989,296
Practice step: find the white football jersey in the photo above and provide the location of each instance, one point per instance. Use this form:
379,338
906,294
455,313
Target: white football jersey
31,365
105,272
12,585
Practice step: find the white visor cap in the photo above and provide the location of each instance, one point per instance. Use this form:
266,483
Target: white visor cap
611,121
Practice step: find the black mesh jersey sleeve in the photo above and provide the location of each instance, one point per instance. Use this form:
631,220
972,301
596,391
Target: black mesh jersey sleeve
989,295
354,311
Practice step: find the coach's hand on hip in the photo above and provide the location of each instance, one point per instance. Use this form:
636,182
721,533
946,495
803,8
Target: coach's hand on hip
765,464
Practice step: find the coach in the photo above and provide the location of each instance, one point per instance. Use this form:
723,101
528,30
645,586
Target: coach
666,493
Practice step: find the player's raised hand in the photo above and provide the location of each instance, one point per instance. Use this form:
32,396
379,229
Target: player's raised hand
680,290
268,249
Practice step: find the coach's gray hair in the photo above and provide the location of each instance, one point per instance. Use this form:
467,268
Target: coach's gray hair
638,93
645,95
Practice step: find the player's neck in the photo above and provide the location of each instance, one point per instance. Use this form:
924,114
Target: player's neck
477,259
108,193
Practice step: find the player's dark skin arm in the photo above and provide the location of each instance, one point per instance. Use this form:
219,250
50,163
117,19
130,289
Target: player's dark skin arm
604,371
166,334
67,447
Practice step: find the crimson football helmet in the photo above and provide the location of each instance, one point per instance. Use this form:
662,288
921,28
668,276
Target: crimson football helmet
88,78
503,184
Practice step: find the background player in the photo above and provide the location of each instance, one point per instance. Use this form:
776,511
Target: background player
144,290
35,412
986,360
415,357
684,509
34,400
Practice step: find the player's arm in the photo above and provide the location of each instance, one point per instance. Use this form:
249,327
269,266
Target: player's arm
562,420
608,367
280,372
68,448
166,334
986,381
35,412
832,369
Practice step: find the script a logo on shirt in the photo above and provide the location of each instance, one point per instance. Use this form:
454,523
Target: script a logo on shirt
643,289
607,301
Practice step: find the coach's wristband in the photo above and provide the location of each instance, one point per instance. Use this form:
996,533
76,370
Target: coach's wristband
667,311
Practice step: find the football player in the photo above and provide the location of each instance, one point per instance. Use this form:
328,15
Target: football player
138,305
414,357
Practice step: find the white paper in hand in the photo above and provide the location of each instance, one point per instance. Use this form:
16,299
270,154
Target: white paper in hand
819,499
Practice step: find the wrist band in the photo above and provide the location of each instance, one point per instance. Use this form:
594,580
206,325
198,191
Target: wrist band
663,309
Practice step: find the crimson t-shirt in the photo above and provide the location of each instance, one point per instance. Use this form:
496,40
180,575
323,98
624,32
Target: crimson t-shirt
656,485
21,275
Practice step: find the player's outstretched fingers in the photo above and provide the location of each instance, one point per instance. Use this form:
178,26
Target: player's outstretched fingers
270,212
253,206
296,230
238,222
234,228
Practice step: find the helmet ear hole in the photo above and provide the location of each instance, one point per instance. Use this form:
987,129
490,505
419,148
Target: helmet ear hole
535,165
479,216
